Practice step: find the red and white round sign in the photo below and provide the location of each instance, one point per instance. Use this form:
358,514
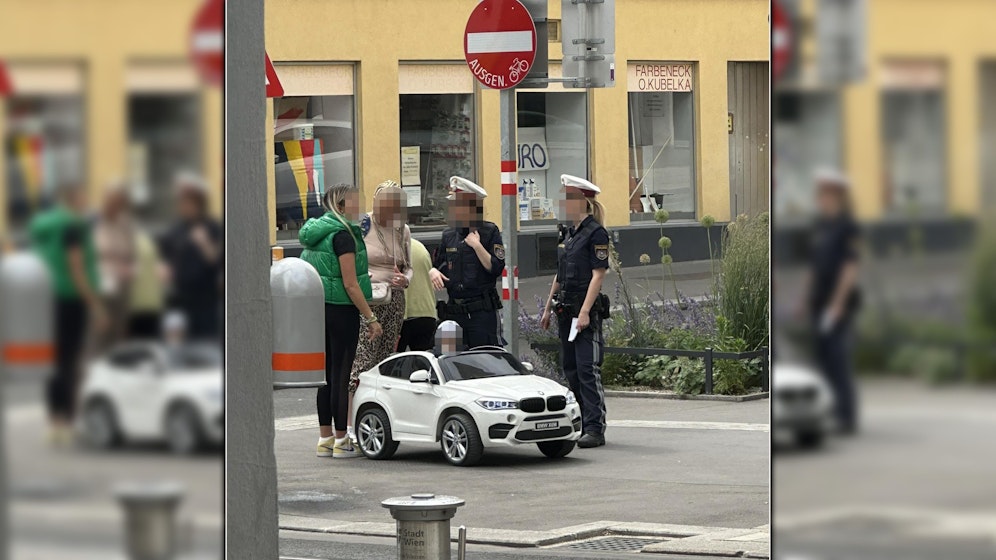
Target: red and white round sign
207,42
781,40
499,43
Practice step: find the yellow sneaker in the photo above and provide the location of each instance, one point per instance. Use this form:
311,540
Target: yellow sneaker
325,447
345,449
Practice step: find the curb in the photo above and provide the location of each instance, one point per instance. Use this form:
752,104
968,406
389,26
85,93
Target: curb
698,538
681,397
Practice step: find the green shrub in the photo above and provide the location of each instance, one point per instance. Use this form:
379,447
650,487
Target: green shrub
981,302
743,281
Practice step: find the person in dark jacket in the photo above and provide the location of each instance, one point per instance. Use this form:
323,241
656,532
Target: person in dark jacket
831,293
333,244
575,296
467,264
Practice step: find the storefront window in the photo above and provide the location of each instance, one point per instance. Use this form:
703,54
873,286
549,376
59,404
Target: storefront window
552,138
661,139
313,145
437,142
44,149
913,132
164,134
807,137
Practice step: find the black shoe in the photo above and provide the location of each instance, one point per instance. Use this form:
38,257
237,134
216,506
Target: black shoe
591,440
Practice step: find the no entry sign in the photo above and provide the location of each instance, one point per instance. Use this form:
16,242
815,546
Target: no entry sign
781,40
207,42
499,43
6,86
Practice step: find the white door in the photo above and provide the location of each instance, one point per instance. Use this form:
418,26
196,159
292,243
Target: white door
413,404
139,387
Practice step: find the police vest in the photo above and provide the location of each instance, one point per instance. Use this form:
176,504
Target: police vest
574,258
468,278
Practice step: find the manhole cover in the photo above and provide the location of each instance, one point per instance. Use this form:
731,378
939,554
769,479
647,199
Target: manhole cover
613,544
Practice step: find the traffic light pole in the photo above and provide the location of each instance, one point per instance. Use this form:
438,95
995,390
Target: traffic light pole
510,220
251,467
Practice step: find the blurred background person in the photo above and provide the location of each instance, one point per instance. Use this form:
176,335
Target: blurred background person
114,237
334,245
388,242
832,296
147,294
192,249
63,238
420,303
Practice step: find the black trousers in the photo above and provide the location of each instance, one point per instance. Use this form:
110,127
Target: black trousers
480,328
418,333
342,334
834,353
70,334
582,364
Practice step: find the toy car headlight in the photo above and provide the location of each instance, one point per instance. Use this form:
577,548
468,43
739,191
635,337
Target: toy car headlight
498,404
571,399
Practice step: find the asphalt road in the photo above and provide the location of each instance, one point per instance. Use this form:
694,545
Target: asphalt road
658,474
916,482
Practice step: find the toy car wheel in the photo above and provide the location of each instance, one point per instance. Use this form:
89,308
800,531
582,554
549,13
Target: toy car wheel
460,440
556,449
373,435
809,439
100,424
183,429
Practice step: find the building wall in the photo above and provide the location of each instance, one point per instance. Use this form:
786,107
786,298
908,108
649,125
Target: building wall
376,35
105,45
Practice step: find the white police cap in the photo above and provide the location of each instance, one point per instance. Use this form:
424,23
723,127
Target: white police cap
585,186
461,185
832,177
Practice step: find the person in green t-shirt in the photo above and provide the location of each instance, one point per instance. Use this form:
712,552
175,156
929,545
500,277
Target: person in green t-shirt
62,237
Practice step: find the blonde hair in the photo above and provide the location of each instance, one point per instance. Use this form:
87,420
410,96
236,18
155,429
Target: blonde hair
385,188
596,210
333,200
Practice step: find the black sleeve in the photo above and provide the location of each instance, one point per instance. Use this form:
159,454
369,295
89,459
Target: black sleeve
439,258
496,247
73,236
600,249
851,240
343,243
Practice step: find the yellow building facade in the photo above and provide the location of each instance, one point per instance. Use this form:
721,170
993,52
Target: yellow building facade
917,133
391,78
104,90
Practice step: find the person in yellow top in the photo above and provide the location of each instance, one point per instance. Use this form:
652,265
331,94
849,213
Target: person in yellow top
419,329
147,295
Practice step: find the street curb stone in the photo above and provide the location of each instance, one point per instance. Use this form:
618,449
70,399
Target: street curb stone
681,397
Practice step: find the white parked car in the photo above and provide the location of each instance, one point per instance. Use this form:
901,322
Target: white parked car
466,402
801,404
143,391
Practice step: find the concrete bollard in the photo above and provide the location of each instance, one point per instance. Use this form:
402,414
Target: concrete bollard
150,519
423,525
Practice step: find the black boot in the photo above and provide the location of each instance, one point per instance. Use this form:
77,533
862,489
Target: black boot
591,439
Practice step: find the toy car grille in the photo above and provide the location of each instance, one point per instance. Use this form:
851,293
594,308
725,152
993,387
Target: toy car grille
803,395
532,404
556,402
530,435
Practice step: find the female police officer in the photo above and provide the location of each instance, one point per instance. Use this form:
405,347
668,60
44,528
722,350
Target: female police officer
583,257
468,263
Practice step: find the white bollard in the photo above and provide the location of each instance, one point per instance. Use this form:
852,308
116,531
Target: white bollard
150,519
423,525
298,324
27,316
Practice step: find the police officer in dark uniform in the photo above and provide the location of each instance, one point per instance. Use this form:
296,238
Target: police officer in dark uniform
467,264
583,258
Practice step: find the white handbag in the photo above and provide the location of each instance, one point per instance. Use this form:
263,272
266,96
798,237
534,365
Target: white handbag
381,293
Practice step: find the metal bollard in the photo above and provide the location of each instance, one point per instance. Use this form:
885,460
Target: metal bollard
462,543
150,519
423,525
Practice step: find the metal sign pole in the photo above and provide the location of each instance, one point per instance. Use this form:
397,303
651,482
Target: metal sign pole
251,466
510,218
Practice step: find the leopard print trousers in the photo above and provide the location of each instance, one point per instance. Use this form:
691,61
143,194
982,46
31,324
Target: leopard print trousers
370,352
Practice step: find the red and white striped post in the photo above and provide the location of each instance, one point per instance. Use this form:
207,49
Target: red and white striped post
510,221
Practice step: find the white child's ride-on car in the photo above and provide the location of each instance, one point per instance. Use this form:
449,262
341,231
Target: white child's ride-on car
466,402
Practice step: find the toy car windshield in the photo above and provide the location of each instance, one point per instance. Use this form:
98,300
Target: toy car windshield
195,356
480,365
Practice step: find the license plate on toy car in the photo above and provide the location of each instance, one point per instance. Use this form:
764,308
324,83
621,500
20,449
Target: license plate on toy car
546,425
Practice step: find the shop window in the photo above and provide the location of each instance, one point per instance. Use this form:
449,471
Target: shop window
661,139
313,146
437,142
806,138
44,150
164,134
913,137
552,138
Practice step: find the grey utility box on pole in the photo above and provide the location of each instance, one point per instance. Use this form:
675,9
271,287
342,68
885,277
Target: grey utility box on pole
841,44
588,31
423,525
540,70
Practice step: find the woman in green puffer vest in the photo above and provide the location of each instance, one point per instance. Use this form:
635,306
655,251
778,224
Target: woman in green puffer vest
333,244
